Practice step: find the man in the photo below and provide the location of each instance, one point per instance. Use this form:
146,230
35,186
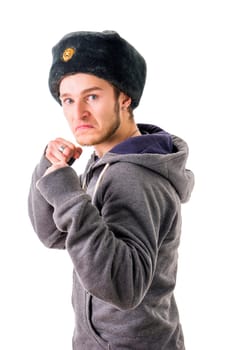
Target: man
120,221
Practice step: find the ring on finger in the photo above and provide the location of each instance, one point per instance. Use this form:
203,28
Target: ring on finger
61,148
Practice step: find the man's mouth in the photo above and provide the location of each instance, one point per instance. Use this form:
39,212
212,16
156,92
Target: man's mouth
83,127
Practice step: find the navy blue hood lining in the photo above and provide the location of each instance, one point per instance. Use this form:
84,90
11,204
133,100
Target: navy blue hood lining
153,140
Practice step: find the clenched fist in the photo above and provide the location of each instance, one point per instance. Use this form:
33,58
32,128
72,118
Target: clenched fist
61,153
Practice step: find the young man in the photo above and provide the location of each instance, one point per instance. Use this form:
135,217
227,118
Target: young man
120,221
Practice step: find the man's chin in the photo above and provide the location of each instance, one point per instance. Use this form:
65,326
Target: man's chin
82,141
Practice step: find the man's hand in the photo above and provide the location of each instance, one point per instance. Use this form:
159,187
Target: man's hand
60,152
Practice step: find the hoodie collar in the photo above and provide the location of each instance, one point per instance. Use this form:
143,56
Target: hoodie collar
152,140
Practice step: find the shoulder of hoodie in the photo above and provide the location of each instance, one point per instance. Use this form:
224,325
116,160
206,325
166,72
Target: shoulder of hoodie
138,186
128,176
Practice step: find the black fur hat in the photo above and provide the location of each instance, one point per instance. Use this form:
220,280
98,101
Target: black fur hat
103,54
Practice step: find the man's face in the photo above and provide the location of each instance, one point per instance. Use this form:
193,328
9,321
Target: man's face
91,109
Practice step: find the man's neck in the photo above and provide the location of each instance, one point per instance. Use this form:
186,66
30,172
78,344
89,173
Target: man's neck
133,131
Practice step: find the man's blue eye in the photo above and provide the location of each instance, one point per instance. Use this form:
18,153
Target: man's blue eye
92,97
67,101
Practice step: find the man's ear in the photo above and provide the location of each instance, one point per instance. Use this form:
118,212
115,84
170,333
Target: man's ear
125,101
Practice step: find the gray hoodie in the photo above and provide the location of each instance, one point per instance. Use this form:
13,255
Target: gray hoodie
120,222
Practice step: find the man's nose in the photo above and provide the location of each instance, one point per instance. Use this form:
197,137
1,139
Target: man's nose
81,110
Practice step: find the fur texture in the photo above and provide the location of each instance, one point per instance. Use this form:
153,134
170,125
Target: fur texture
103,54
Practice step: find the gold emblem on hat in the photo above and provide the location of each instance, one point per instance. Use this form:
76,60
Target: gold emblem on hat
68,54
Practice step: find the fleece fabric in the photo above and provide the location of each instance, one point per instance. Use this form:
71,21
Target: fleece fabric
120,222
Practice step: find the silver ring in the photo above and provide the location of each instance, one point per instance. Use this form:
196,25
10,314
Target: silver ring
61,148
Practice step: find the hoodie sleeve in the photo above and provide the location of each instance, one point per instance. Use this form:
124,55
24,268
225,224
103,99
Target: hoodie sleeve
113,249
41,212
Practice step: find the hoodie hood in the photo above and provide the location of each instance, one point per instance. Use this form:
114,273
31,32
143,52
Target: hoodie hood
159,151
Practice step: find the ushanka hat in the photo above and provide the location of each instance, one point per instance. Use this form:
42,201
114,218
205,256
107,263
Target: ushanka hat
103,54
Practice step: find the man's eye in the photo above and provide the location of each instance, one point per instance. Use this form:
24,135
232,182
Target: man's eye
67,101
92,97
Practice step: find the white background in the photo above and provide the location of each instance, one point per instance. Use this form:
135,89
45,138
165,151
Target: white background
188,49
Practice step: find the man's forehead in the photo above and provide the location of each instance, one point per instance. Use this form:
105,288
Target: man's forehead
82,83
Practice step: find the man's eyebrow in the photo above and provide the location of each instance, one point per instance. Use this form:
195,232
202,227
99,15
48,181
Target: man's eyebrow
85,91
92,89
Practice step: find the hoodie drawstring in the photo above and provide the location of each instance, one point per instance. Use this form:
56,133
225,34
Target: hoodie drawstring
98,181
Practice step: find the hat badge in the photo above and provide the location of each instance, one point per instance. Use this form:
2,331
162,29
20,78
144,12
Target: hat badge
68,54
